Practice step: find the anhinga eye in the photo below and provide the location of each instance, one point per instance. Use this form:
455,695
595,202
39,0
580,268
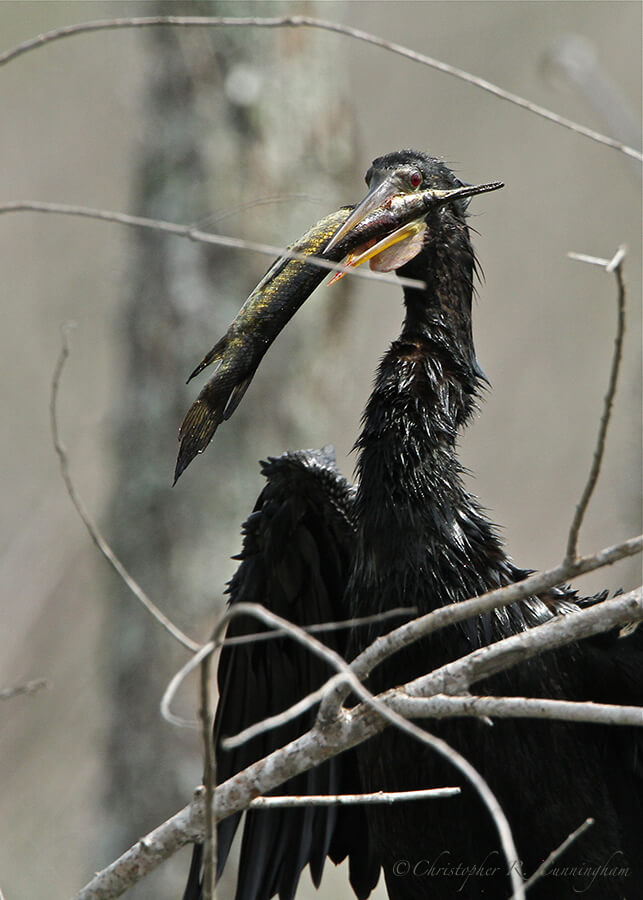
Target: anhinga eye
415,179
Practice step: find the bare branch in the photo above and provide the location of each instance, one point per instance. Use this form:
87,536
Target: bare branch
145,855
384,712
378,797
203,237
323,627
457,676
29,687
616,266
555,854
433,705
441,706
305,752
88,522
309,22
408,633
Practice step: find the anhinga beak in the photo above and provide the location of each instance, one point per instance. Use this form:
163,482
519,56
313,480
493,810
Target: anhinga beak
402,243
381,192
383,189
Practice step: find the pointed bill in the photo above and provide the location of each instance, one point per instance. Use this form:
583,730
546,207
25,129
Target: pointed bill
406,210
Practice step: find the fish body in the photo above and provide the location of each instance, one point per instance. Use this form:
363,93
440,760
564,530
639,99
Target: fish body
281,292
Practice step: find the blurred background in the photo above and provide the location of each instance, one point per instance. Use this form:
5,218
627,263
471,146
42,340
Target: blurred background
196,126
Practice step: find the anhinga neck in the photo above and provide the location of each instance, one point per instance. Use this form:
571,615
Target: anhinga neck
426,386
443,307
417,525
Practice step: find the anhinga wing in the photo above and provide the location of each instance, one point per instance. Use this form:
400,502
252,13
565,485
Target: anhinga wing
297,551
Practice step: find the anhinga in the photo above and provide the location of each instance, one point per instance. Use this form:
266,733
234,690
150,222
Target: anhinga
409,534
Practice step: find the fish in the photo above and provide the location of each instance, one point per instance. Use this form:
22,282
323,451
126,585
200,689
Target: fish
281,292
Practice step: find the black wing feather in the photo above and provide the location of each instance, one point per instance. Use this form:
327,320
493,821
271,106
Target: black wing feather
297,552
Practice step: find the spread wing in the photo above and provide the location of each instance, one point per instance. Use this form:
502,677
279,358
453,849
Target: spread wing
297,550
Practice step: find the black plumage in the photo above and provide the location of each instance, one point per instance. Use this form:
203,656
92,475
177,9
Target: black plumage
409,534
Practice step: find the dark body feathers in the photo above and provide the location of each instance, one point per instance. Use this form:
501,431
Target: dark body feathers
410,534
297,551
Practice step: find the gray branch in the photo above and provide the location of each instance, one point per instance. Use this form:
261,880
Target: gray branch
346,731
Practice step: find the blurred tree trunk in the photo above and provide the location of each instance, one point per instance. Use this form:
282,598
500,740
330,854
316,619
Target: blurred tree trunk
229,118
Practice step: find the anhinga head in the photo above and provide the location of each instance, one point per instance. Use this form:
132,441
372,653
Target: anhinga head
413,179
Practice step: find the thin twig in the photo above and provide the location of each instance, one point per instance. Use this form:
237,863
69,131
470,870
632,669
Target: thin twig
378,797
309,22
616,266
209,782
88,522
204,237
555,854
259,636
29,687
457,676
282,718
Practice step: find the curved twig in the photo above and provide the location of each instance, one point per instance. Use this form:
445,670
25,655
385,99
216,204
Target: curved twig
324,25
88,522
176,682
203,237
392,717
